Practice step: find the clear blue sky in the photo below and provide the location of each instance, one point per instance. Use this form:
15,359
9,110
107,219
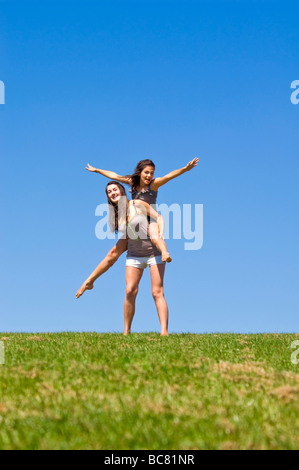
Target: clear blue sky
114,82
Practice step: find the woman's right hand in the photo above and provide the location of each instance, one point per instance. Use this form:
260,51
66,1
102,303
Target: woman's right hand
90,168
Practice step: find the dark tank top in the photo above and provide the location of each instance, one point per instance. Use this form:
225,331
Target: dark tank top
149,196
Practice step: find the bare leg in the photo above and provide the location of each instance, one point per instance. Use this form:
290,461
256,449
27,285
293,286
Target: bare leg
104,265
159,242
133,276
157,277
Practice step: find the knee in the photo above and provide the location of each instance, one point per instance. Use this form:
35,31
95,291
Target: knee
112,257
157,293
154,232
131,291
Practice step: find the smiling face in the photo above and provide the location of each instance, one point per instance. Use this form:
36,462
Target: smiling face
113,193
146,176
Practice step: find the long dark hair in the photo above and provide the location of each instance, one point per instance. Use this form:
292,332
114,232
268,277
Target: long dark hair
135,177
116,211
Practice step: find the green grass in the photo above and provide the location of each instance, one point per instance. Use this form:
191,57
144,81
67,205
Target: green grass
107,391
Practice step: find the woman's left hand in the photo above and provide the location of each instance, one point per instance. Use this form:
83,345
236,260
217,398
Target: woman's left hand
192,164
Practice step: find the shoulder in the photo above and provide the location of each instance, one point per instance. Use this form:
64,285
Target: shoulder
154,185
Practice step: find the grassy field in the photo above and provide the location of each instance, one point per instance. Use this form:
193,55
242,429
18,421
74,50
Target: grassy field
185,391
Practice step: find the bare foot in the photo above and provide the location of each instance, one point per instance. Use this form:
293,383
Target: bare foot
126,333
166,257
164,333
87,285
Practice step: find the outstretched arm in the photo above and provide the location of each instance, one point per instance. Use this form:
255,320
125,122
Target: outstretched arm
173,174
109,174
113,255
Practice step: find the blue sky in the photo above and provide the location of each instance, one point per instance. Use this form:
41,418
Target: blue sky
112,82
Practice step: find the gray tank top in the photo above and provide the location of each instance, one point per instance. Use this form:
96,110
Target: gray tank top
139,243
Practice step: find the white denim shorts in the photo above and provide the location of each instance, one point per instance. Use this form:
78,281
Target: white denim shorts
143,261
